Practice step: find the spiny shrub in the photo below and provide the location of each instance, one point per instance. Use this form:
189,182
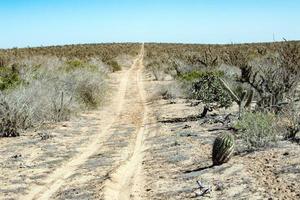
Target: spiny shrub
272,77
257,130
223,148
206,87
242,97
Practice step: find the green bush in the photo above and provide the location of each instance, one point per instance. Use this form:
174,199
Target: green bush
195,75
114,65
257,130
206,87
9,78
73,65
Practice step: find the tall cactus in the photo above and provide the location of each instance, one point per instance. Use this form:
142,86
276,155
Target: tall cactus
223,148
243,101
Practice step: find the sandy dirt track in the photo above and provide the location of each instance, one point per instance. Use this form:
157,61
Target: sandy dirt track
118,130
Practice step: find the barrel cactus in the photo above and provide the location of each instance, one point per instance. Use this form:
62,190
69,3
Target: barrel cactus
223,148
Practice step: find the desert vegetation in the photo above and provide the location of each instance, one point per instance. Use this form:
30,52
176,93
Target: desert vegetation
233,111
261,79
180,121
42,85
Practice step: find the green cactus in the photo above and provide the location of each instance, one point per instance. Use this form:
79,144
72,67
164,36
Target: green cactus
223,148
243,101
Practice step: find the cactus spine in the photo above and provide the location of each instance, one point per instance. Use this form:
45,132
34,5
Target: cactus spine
223,148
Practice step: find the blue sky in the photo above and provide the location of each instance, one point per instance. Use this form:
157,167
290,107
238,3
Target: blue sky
53,22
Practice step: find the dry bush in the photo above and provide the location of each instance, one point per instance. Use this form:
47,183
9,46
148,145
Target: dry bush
157,71
257,130
51,96
172,91
274,78
54,82
290,121
206,87
114,65
9,77
89,87
11,118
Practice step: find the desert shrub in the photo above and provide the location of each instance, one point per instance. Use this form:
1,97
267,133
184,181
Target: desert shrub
9,119
43,101
206,87
273,77
50,96
159,75
257,130
9,78
172,90
196,75
290,121
73,65
114,65
53,83
158,68
89,87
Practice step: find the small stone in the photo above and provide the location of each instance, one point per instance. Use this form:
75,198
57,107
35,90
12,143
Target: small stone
17,156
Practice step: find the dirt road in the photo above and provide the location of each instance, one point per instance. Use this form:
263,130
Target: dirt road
125,151
113,136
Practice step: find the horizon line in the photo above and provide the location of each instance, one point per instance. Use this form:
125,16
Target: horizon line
149,42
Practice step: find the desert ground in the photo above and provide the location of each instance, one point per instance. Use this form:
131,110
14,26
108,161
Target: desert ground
133,147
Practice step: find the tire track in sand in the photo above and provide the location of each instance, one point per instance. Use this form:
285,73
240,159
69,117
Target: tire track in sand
57,179
127,180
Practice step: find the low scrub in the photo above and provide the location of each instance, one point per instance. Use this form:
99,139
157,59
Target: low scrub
172,91
206,87
10,118
290,121
257,130
114,65
9,78
50,96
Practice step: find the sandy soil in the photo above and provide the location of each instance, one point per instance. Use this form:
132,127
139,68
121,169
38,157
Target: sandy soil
179,155
125,150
